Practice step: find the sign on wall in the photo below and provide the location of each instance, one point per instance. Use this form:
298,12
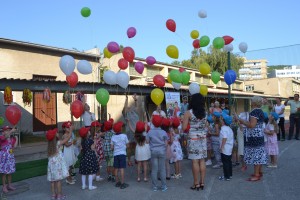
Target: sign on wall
172,103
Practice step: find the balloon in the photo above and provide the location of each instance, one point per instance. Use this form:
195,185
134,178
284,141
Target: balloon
85,12
102,96
194,88
113,47
202,14
128,54
194,34
176,85
181,69
72,79
157,96
159,80
172,51
218,42
230,76
131,32
215,77
150,60
1,121
67,64
169,79
204,41
122,79
204,68
139,67
107,54
123,64
110,77
227,39
228,48
84,67
175,76
77,108
196,44
203,90
13,114
243,47
185,77
171,25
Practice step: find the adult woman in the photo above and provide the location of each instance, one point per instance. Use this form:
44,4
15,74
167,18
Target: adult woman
279,109
197,149
254,149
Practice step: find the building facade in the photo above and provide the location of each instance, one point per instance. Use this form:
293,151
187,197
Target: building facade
254,69
287,72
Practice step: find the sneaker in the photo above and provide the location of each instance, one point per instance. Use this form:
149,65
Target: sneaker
179,175
164,188
83,187
222,178
98,178
70,182
175,176
208,162
118,184
113,179
217,166
92,187
154,189
124,185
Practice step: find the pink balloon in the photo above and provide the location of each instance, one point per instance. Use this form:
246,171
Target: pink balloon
150,60
113,47
131,32
181,69
139,67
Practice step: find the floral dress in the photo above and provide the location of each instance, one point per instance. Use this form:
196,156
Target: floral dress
99,149
7,158
176,149
88,162
271,144
197,148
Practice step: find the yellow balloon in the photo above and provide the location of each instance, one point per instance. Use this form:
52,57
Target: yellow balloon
107,54
194,34
172,51
203,90
157,96
204,69
169,79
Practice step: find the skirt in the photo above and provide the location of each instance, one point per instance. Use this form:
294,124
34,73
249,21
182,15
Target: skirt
57,168
176,152
142,153
69,155
7,162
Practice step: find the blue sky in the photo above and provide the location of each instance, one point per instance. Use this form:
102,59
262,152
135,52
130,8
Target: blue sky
260,23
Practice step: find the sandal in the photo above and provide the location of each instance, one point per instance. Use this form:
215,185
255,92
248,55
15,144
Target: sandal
138,179
195,187
53,196
254,178
145,180
61,197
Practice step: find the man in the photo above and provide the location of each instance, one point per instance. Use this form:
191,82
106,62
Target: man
294,116
159,112
88,117
184,105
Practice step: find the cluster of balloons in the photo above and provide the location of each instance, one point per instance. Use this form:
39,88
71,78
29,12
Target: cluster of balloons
195,88
121,78
178,77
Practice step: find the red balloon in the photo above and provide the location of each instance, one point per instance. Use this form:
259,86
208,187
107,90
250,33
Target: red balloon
196,44
159,80
13,114
171,25
228,39
77,108
72,79
128,54
181,69
123,64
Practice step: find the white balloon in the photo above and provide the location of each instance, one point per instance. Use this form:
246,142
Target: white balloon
67,64
228,48
110,77
84,67
122,79
243,47
194,88
176,85
202,14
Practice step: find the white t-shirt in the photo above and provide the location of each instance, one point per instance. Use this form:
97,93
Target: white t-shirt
119,141
226,132
161,113
88,118
278,109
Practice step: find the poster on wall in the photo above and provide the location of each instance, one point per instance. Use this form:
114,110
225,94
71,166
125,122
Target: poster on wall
172,104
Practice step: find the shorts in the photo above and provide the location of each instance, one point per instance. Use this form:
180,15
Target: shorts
120,161
109,161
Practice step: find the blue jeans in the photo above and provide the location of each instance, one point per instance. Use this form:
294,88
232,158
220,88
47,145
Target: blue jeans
294,120
158,165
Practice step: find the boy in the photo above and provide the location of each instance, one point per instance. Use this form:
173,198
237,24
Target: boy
119,143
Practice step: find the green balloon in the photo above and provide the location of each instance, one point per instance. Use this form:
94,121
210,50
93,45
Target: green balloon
1,120
204,41
185,77
175,76
102,96
218,42
85,12
215,77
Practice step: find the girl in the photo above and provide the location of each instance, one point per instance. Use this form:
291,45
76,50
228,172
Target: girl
177,155
57,167
142,150
7,158
108,152
215,133
88,163
271,131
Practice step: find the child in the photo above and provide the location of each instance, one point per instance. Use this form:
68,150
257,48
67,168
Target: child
177,155
166,127
209,125
119,143
226,146
57,167
108,152
235,158
272,144
7,158
215,133
88,163
158,141
142,150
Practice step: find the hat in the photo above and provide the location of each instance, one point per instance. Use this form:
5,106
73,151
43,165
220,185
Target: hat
175,122
210,119
67,124
225,111
96,124
216,114
140,127
275,115
165,122
83,132
117,127
227,119
108,125
51,134
156,120
266,116
5,128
